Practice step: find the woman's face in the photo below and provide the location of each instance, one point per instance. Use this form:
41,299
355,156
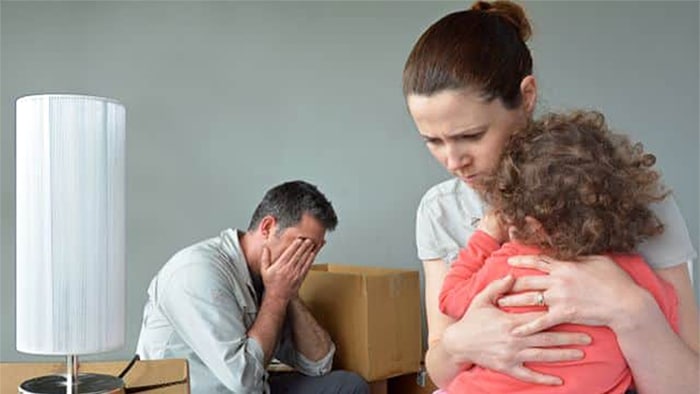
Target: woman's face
465,133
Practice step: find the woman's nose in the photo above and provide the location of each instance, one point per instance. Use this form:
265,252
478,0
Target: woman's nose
455,159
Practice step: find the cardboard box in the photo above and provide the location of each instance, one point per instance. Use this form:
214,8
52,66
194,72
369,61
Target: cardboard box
372,314
173,374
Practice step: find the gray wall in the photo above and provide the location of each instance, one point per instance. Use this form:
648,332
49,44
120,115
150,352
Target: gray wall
226,99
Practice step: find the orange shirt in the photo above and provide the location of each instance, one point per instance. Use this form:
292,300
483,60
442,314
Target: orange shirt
602,370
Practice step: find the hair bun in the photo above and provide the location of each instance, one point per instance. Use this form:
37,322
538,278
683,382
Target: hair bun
512,12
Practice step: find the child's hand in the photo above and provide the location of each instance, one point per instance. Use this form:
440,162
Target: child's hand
492,225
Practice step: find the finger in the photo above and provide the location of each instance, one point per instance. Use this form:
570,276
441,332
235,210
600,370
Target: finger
528,375
290,250
307,263
550,355
531,282
300,254
300,264
319,246
311,255
537,325
494,291
540,262
519,319
529,298
558,338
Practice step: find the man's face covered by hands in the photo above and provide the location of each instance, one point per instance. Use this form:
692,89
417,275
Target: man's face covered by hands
288,255
308,228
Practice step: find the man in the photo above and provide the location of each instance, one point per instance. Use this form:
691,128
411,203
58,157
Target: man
230,303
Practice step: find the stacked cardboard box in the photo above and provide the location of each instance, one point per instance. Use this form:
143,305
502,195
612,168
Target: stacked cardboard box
372,314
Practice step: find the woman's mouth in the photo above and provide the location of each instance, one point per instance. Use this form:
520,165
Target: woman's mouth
470,179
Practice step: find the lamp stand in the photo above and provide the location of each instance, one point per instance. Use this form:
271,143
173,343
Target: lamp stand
72,382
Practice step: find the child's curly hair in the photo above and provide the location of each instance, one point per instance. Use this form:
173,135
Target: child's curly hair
588,187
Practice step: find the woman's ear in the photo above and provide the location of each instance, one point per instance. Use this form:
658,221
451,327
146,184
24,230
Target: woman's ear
528,90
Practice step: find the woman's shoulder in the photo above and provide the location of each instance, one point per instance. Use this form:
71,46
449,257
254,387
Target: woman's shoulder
673,246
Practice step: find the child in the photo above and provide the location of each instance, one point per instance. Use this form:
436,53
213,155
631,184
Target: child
565,187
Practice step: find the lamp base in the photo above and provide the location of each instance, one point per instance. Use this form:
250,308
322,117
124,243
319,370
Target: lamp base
88,383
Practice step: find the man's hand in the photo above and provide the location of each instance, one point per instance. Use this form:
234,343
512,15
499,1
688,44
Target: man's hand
283,277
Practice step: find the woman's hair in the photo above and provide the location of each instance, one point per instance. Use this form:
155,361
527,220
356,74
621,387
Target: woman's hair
589,188
482,48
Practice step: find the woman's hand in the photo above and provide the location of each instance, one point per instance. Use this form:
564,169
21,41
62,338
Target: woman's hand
483,337
593,291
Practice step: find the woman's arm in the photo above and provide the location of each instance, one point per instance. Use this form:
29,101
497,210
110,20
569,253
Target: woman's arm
688,320
483,336
598,292
441,365
672,366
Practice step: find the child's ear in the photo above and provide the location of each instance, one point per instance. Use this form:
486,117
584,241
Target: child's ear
512,233
535,228
533,224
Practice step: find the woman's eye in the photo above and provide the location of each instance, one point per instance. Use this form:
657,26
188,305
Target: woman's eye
471,137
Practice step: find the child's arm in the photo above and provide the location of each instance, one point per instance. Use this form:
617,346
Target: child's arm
458,287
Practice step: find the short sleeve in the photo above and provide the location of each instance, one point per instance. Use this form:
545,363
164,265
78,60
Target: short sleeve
445,219
673,246
426,239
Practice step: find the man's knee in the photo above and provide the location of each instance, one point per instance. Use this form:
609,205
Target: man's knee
347,382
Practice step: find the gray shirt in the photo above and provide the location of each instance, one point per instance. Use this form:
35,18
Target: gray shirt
449,212
200,306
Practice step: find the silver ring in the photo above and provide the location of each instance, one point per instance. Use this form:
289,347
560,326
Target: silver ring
540,299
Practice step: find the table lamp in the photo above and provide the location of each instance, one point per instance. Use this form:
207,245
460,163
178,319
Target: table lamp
70,235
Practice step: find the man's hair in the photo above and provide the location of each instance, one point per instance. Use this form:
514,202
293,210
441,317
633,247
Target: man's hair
288,202
588,187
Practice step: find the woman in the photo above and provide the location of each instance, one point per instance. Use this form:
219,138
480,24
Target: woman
468,84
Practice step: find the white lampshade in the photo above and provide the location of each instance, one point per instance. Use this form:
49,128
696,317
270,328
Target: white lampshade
70,224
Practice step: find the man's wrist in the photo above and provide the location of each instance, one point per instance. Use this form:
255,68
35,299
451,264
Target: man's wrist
276,300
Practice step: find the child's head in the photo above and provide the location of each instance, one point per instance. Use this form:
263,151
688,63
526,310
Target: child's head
588,188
